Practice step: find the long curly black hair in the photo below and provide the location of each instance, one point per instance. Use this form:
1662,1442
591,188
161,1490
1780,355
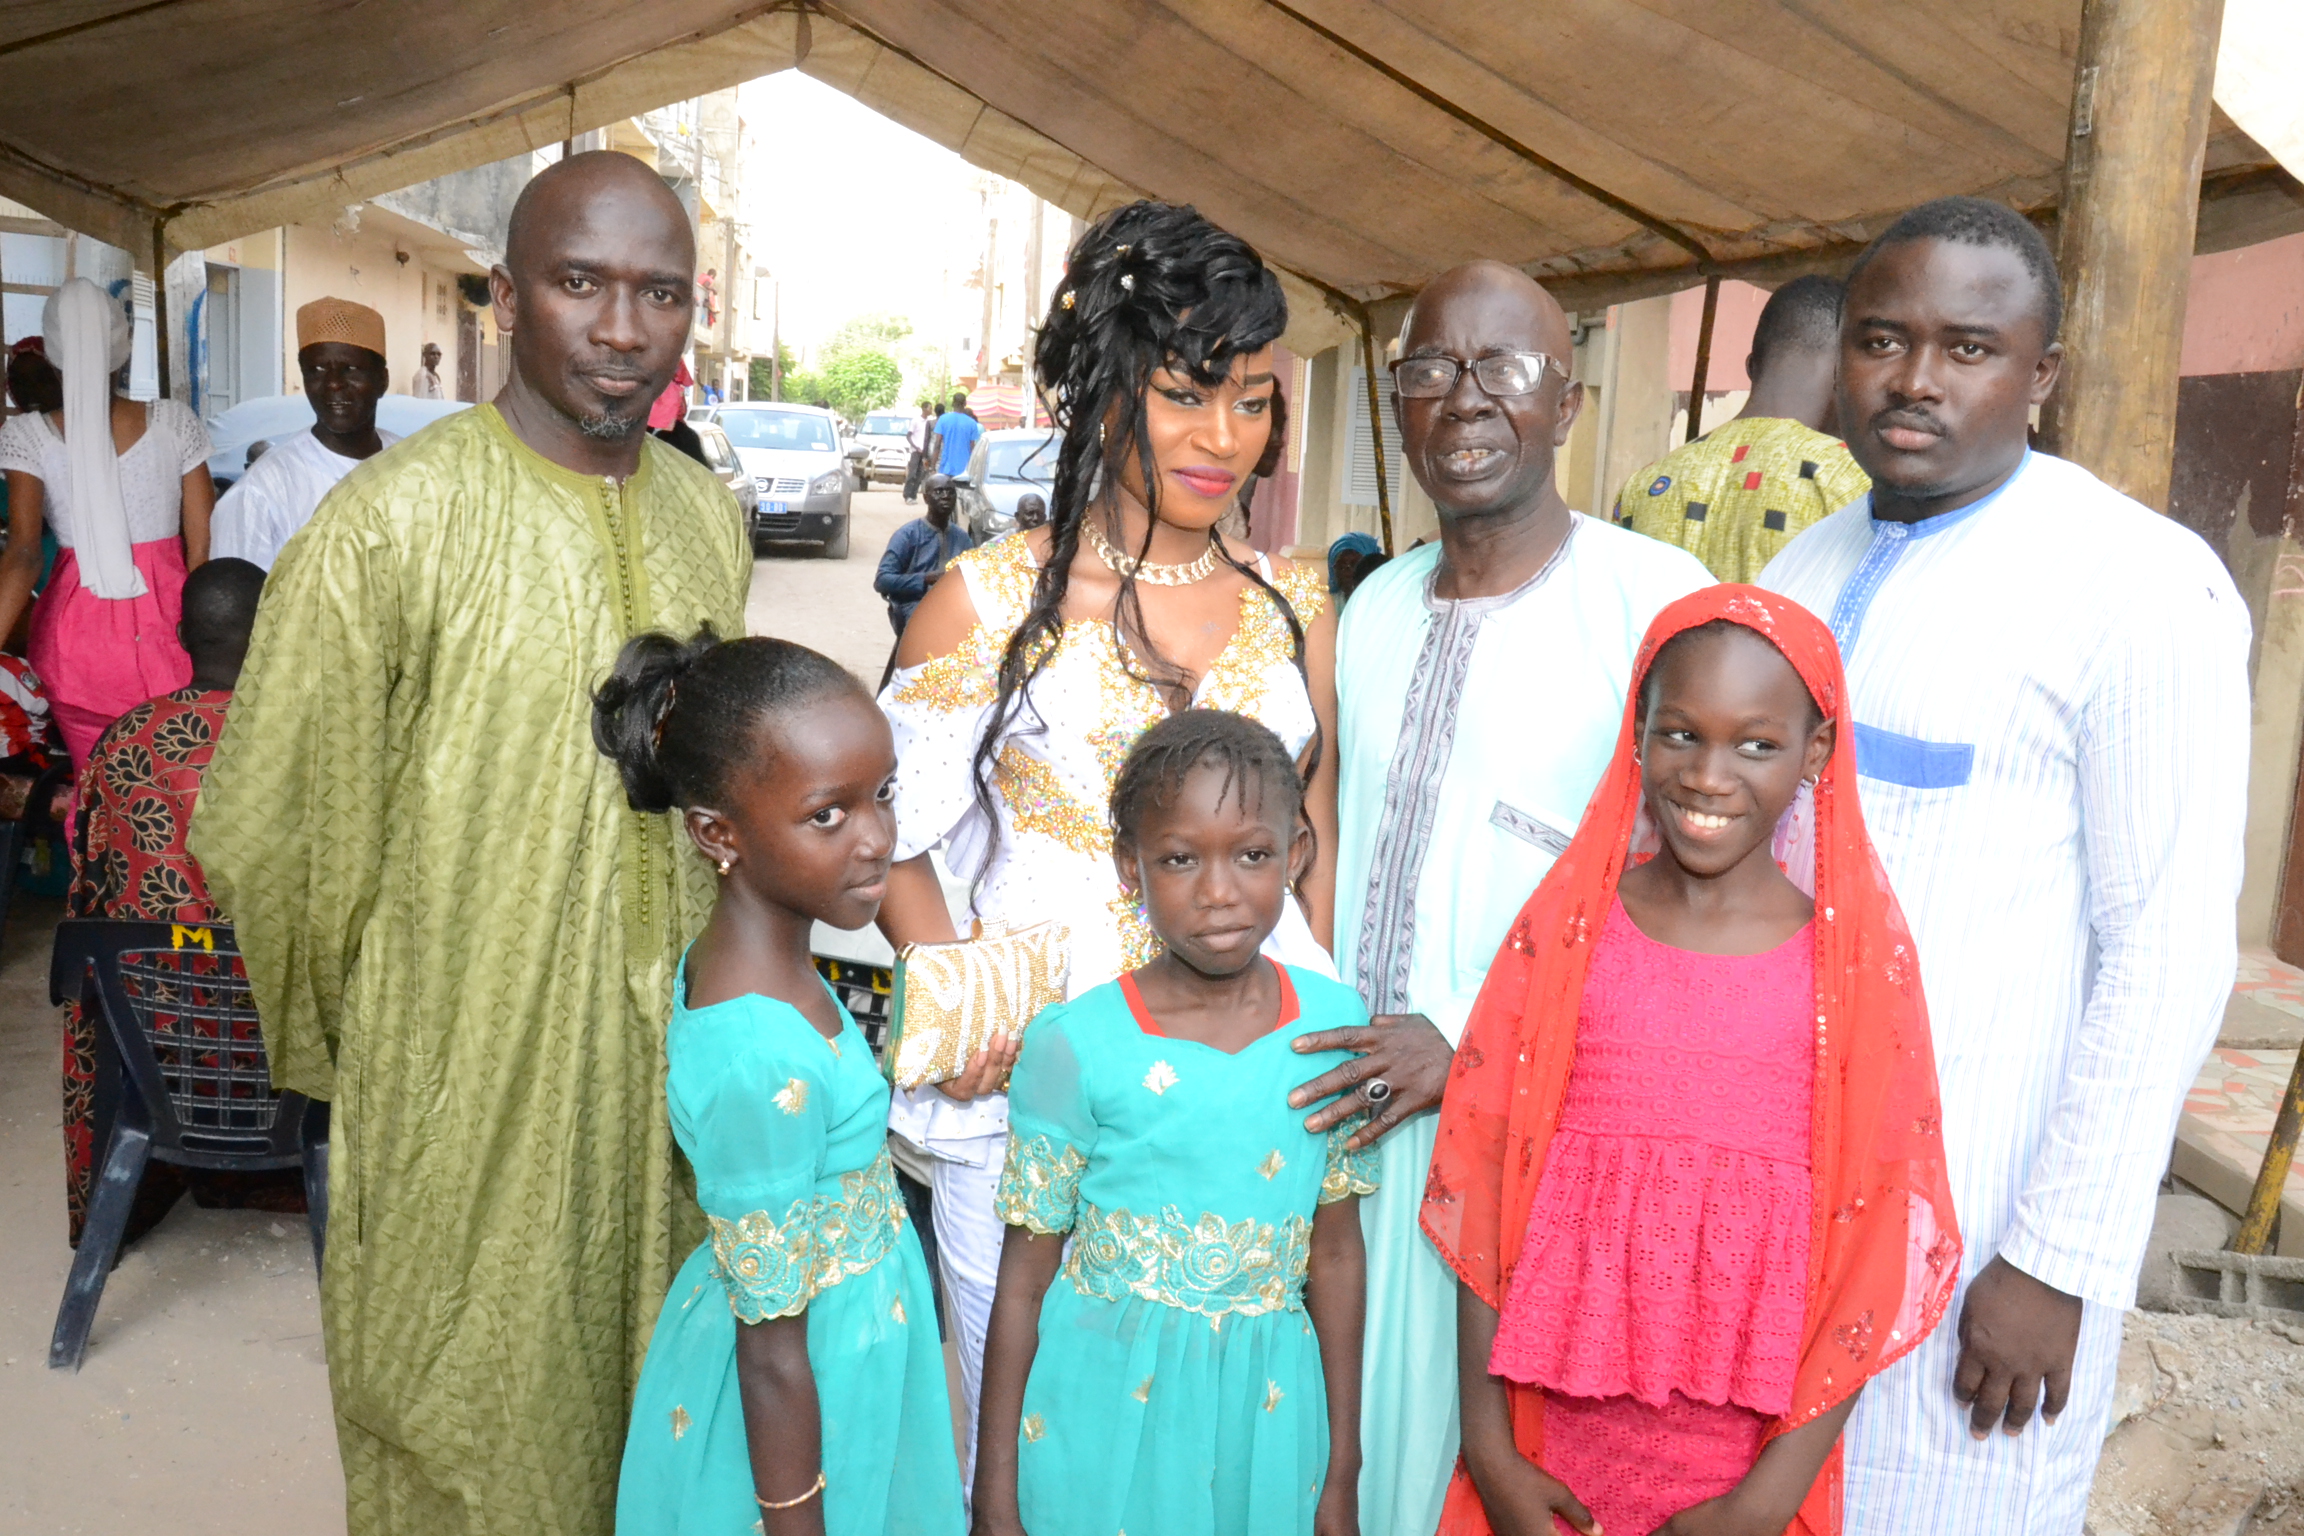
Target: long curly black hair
1149,286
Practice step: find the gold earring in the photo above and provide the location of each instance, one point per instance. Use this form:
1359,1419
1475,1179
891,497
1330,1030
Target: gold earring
724,863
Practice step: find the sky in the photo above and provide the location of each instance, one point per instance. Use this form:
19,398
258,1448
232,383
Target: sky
854,214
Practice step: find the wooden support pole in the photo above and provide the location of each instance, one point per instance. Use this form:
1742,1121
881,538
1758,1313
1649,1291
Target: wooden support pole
1376,427
2255,1234
1703,357
2140,103
160,301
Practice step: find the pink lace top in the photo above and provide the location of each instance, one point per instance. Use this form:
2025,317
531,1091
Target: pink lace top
1668,1244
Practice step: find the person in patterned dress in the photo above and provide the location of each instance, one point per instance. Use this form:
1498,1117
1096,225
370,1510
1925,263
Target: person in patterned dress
1021,684
1737,495
129,861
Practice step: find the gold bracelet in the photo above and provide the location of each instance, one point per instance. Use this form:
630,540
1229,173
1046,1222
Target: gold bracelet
814,1489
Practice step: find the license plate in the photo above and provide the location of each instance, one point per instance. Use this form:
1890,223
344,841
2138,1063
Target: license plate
774,508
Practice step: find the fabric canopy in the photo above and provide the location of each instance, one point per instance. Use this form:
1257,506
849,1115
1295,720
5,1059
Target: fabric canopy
1613,148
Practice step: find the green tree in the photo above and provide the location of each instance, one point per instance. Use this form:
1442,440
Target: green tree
763,379
868,333
860,381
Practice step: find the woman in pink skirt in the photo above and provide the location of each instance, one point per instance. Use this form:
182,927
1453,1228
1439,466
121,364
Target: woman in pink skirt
125,488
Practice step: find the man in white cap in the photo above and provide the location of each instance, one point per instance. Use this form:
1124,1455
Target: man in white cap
340,348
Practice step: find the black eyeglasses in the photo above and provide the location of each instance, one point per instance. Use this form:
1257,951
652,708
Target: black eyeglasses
1506,373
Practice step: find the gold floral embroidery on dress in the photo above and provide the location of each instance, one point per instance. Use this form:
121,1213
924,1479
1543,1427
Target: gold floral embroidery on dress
1272,1164
1143,1392
1040,1187
1241,675
1004,572
1139,945
1305,585
967,677
1205,1265
792,1098
1034,1426
896,1310
680,1421
1161,1078
1038,802
952,682
774,1266
1349,1173
1272,1395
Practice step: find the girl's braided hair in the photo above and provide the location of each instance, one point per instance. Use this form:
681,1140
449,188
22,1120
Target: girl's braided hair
677,717
1165,756
1149,286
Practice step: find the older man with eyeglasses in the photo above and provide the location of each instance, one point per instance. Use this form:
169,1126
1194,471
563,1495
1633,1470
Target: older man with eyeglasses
1480,685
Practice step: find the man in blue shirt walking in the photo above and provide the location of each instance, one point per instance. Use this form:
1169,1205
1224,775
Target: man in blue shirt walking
955,439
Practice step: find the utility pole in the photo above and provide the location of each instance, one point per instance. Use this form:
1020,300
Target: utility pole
2138,133
991,260
776,339
697,176
1032,311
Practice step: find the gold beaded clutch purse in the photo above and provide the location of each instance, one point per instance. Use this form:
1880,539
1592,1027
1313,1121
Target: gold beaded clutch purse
952,998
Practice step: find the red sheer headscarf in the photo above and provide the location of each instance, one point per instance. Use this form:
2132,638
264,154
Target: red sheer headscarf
1884,1252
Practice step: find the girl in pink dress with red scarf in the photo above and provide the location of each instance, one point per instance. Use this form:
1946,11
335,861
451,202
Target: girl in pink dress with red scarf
1690,1171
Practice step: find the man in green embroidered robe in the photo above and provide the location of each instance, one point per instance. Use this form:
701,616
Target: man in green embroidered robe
457,931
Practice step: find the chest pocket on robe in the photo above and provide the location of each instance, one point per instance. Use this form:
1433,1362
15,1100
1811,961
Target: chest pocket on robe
1911,762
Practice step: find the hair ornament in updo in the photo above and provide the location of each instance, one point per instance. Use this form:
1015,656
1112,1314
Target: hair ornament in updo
1068,298
664,710
1127,280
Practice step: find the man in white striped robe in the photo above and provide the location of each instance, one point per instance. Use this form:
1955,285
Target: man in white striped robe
2051,702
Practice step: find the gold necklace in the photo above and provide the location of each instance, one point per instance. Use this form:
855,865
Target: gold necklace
1143,570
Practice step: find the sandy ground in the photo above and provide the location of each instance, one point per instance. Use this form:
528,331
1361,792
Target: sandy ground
2208,1443
203,1404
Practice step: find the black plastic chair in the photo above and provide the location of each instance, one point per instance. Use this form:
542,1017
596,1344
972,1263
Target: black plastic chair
195,1087
35,826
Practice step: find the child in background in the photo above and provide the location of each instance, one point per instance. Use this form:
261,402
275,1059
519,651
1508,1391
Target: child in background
794,1378
1196,1372
1690,1170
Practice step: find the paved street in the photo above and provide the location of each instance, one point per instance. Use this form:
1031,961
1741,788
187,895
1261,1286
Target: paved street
830,604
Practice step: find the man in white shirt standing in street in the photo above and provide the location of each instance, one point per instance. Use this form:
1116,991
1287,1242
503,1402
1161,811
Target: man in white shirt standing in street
340,348
916,439
2049,683
427,385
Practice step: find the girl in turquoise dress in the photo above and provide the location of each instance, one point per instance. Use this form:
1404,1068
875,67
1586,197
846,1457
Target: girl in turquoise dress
1196,1369
794,1385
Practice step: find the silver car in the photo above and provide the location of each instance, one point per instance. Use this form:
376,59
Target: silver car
1006,466
800,473
720,458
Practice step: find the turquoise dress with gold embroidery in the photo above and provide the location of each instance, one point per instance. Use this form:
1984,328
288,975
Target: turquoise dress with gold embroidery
787,1132
1177,1390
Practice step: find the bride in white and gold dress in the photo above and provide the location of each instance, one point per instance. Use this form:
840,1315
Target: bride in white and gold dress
1033,665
